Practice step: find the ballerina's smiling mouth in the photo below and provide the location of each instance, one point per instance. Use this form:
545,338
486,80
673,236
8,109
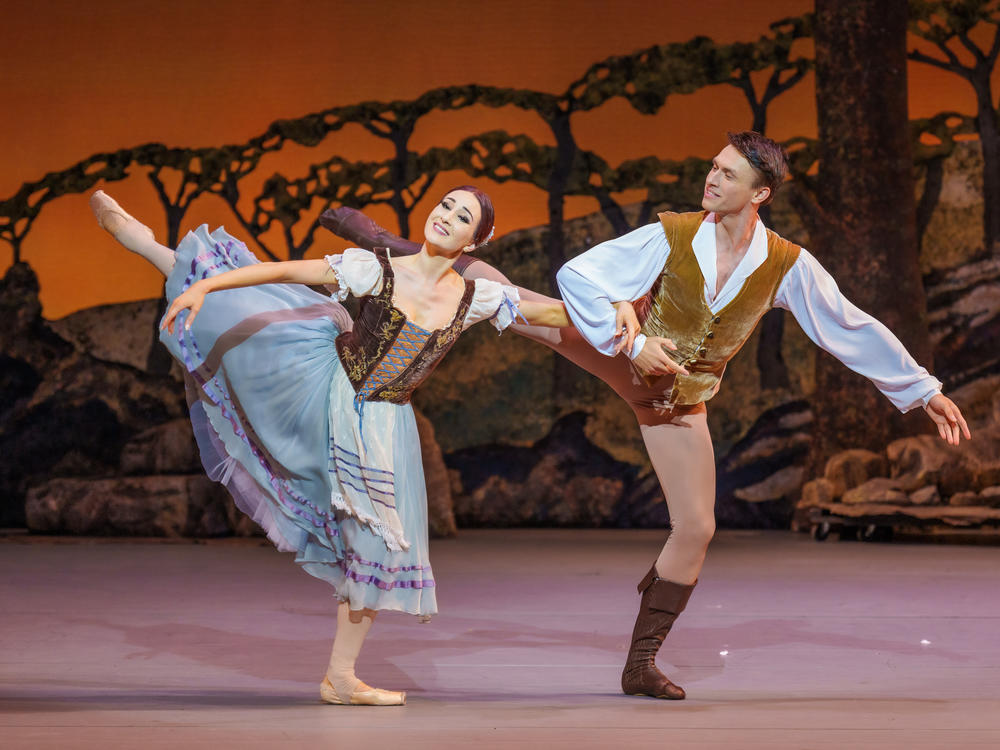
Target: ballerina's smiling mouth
440,229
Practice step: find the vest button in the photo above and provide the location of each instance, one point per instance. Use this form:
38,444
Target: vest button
709,335
716,319
703,352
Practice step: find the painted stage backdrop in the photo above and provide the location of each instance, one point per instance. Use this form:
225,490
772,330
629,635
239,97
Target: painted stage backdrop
904,210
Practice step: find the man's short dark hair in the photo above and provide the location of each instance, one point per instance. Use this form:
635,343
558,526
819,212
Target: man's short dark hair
767,158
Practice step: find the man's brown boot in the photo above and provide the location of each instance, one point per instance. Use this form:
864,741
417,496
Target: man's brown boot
661,602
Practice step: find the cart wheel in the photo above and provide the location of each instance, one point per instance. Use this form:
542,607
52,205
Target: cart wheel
821,531
875,533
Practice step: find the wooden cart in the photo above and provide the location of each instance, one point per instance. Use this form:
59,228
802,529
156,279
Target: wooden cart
875,522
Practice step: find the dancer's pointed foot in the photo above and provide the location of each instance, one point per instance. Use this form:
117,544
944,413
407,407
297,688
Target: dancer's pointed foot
132,234
116,221
363,695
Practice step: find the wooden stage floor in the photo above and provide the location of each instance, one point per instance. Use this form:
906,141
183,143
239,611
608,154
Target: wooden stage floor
787,643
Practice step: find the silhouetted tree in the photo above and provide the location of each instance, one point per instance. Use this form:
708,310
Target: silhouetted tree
19,212
775,53
864,226
934,140
949,24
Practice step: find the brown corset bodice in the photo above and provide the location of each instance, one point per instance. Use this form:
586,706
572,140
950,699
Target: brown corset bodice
386,356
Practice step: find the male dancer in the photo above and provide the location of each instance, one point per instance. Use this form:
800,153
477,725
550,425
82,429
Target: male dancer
710,276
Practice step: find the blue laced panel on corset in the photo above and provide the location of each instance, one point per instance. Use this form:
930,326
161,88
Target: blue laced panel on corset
404,350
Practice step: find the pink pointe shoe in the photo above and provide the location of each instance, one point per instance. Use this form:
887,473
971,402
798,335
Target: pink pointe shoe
363,696
105,207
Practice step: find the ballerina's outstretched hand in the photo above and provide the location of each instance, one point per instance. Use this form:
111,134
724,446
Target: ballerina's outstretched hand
190,299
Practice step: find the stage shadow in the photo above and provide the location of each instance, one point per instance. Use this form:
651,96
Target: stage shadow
418,658
125,698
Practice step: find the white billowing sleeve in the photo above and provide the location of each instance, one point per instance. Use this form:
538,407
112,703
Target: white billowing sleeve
854,337
620,269
358,273
495,302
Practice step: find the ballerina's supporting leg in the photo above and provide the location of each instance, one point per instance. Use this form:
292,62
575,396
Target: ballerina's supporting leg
131,233
341,686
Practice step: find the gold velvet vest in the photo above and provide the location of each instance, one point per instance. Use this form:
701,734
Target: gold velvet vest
706,341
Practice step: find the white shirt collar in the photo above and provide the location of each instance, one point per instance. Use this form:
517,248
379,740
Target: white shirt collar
703,245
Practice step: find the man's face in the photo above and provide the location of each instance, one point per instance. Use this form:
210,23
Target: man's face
729,186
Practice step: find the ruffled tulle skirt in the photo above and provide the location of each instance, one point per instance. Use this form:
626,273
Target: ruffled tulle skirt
274,417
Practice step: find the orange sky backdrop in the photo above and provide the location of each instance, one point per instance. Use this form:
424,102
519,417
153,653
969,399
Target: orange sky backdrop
80,78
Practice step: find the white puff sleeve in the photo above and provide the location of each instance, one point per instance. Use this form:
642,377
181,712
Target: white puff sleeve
358,273
495,302
623,268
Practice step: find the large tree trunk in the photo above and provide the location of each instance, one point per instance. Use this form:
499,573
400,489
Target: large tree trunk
989,139
566,151
565,375
866,234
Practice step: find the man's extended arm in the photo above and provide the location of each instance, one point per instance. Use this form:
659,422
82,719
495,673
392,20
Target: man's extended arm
865,345
854,337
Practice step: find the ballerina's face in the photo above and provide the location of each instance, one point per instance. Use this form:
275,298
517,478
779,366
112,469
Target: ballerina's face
452,223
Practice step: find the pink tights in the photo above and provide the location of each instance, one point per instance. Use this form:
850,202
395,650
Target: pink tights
678,442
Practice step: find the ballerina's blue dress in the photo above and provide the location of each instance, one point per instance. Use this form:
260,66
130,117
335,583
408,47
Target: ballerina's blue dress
305,417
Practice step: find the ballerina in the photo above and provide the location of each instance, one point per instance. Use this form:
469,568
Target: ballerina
305,417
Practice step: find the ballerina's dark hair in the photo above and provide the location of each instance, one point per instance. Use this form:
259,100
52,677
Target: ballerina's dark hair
485,229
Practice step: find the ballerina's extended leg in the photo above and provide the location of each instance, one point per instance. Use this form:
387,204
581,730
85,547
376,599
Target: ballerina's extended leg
341,686
130,232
